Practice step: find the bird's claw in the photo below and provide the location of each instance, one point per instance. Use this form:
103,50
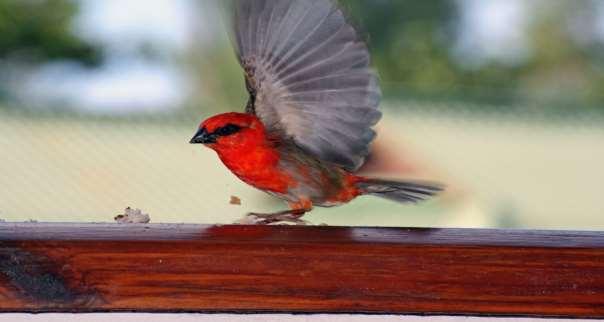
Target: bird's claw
273,219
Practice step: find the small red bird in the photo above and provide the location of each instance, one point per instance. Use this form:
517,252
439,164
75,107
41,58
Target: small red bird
312,102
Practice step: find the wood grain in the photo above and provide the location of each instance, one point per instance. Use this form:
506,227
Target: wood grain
178,268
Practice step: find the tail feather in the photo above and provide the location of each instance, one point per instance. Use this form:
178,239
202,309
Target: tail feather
400,191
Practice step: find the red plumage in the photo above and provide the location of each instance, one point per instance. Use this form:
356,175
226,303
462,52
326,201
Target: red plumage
313,102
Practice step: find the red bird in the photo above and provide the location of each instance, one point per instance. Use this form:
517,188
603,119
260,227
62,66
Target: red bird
312,102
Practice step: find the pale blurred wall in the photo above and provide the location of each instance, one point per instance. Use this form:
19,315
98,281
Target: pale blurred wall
502,173
501,170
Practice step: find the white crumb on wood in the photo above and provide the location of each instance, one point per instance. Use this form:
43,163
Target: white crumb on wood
132,216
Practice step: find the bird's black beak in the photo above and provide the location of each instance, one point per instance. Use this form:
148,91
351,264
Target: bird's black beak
202,137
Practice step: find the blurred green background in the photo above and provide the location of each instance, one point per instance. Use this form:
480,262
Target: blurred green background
502,100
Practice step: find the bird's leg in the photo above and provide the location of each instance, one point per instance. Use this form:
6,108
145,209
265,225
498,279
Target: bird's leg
293,215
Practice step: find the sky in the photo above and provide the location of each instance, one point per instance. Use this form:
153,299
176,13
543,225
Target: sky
493,30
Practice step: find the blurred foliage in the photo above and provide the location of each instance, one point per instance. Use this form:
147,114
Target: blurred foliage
410,40
36,31
220,81
412,43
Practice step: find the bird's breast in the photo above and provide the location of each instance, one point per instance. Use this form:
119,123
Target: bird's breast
259,167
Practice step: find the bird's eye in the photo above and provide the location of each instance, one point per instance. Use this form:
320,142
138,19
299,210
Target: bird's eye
227,130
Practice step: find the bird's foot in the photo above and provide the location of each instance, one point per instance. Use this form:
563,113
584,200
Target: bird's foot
277,218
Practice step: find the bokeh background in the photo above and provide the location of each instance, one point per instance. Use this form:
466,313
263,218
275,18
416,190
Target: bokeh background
502,100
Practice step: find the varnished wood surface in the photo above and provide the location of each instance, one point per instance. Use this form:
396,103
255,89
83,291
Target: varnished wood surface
177,268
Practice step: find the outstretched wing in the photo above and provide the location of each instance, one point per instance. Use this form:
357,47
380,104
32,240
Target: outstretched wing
308,76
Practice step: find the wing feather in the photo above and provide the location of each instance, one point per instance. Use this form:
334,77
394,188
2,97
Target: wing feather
308,76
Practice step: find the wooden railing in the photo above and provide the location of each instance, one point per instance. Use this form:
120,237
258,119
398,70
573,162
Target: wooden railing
194,268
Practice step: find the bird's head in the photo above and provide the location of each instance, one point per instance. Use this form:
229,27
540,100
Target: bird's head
229,130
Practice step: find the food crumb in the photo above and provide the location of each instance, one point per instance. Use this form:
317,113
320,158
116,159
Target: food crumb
235,200
132,216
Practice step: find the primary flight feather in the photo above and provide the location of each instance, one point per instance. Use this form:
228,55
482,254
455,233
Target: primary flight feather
313,100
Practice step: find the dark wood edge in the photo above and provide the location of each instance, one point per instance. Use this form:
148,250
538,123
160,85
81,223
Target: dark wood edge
73,267
319,234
